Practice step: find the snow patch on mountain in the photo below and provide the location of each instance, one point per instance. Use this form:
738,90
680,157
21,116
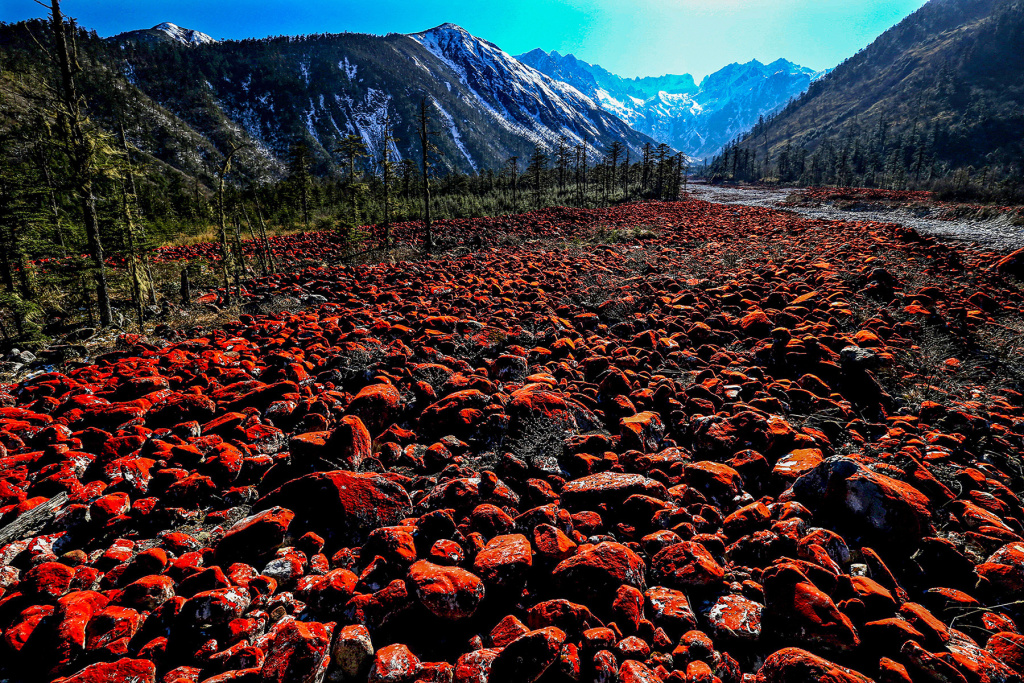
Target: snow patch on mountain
347,68
456,136
520,98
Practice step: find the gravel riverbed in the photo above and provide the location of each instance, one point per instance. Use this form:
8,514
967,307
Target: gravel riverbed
999,233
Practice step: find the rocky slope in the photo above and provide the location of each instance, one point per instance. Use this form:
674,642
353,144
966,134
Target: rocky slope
696,119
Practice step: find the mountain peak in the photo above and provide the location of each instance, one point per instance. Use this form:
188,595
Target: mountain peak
166,33
447,27
185,36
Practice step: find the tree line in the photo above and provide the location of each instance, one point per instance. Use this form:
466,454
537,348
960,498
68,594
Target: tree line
876,156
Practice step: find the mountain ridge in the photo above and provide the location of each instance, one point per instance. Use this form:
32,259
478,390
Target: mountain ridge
699,119
185,103
167,31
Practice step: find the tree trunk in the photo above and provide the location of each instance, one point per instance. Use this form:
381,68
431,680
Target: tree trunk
225,251
428,237
81,156
186,288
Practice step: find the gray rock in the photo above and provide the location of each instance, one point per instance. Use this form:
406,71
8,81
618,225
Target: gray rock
856,358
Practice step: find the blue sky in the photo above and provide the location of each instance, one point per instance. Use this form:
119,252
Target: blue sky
631,38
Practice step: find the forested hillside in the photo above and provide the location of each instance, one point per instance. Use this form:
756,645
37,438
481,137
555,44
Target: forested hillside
939,95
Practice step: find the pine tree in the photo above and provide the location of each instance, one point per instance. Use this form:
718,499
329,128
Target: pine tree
513,169
387,172
562,160
352,148
536,170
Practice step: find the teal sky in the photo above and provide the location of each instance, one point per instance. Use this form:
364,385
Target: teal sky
638,38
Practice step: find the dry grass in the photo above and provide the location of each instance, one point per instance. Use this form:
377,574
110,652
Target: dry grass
211,233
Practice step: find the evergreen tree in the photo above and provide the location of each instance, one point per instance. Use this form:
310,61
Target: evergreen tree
536,170
352,148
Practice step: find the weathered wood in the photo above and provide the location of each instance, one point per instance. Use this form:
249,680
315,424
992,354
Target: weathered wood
32,522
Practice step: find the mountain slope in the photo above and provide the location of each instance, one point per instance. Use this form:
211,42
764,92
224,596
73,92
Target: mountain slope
185,101
942,90
697,119
271,93
520,98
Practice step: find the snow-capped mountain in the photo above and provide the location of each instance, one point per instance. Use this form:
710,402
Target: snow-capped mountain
521,98
185,36
168,32
697,119
270,94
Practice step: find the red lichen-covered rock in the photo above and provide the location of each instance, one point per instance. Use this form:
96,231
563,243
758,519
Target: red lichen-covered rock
633,671
111,624
567,616
350,443
552,543
122,671
255,538
628,608
394,664
687,565
47,581
670,609
298,652
328,593
793,664
218,606
560,423
734,617
1003,571
507,630
475,667
867,504
796,611
355,503
377,405
147,593
594,574
70,620
504,561
1008,648
642,432
718,482
447,592
527,657
610,488
22,627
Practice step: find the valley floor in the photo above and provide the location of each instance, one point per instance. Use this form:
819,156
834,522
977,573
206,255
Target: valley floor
660,442
1000,232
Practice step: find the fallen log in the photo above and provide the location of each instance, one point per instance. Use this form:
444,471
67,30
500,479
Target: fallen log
35,520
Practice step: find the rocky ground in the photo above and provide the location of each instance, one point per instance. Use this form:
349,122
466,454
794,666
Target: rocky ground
675,442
